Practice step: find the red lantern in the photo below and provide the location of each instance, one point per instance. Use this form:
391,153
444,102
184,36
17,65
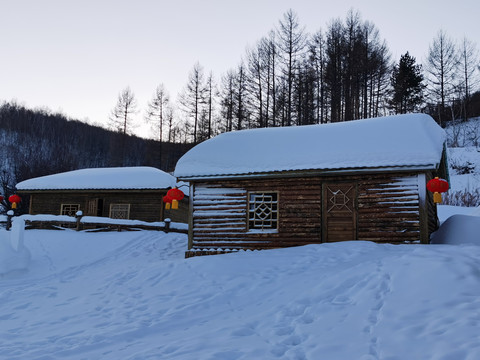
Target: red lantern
437,186
14,199
1,198
167,200
176,195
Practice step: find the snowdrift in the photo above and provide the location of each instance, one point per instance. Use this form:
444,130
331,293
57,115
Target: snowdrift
458,229
13,253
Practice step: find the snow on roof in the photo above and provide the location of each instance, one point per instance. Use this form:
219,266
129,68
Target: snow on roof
102,178
411,140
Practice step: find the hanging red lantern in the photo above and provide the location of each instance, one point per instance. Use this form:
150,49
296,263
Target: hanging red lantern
437,186
14,200
176,195
1,198
167,200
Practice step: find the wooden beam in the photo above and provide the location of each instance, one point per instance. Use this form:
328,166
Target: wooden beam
423,208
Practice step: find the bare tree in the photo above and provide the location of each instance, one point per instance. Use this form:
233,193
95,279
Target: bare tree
193,98
262,72
241,97
157,109
227,96
292,42
121,118
317,59
441,67
271,53
468,59
352,64
333,69
209,90
376,66
170,124
258,81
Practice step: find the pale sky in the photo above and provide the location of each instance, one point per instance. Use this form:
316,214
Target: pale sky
76,56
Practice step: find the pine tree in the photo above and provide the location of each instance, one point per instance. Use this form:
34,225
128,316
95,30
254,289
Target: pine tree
407,85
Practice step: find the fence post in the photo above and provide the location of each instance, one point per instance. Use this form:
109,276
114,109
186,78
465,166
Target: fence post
167,224
10,214
78,217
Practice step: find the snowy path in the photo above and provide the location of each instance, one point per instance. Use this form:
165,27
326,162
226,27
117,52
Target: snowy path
133,296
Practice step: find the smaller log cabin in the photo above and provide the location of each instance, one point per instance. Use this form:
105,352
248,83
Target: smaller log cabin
121,193
279,187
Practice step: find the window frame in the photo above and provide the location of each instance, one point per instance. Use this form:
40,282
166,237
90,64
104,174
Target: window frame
251,209
62,210
112,205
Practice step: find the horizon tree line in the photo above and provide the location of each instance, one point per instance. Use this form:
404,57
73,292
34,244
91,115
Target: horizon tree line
290,77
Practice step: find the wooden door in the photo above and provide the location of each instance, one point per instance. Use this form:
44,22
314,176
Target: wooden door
339,213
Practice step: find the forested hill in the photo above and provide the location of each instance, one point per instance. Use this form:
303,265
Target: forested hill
37,142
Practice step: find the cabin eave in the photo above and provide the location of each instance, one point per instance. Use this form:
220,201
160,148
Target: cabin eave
312,173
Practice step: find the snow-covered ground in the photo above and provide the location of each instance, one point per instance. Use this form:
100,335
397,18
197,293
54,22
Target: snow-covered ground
132,295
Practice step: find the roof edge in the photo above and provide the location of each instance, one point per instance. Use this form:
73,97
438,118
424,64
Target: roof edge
94,190
310,173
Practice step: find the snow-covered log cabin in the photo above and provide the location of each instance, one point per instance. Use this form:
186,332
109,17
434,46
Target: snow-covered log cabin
122,193
278,187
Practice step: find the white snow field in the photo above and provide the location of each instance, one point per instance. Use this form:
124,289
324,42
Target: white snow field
132,295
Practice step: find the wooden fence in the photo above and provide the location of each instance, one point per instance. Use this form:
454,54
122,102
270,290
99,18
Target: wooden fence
97,225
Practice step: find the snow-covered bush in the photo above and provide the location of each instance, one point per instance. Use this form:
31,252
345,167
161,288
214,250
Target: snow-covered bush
463,133
467,198
462,167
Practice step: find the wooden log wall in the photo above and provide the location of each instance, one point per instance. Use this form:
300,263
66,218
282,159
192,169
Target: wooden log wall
388,209
220,214
386,206
145,205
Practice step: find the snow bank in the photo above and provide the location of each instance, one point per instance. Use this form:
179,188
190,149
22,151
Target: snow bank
13,254
402,140
475,211
445,211
458,229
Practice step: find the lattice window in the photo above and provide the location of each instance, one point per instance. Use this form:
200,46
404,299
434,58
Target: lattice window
120,211
69,209
338,200
263,211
